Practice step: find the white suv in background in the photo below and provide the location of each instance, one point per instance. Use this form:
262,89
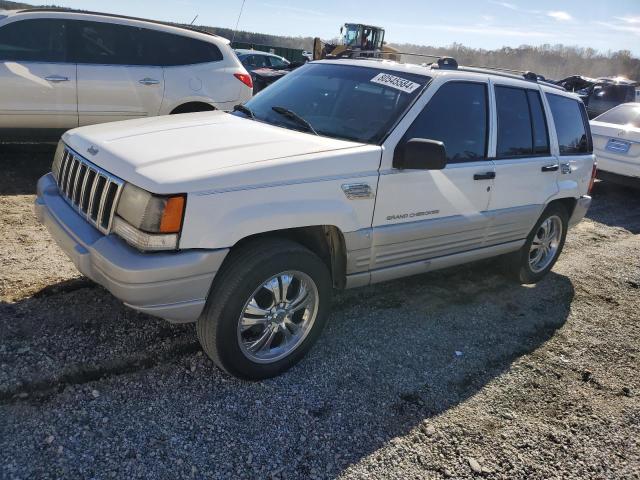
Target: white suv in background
342,174
64,69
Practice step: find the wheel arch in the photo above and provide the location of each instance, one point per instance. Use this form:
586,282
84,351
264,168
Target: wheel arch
569,204
326,241
192,106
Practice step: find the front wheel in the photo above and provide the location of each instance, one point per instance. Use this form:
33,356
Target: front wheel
266,309
542,247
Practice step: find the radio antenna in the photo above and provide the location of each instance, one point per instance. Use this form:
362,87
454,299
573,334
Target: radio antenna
237,22
194,19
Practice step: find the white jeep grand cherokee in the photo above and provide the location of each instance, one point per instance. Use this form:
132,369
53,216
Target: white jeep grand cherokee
342,174
64,69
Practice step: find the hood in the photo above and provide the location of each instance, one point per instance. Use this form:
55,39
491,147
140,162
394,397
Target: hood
184,153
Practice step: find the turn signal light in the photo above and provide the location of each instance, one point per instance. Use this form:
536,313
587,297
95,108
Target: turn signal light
171,220
244,78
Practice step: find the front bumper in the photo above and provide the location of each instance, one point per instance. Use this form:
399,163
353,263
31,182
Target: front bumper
170,285
580,210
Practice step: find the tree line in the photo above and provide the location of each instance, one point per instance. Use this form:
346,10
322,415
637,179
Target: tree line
552,61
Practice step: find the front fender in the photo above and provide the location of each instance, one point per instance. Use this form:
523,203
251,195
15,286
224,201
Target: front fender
214,220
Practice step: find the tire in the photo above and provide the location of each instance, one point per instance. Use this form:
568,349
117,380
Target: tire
240,291
521,265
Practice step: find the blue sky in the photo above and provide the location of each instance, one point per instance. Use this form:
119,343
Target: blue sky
603,25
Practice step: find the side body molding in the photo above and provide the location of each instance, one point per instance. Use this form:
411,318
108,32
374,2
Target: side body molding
396,250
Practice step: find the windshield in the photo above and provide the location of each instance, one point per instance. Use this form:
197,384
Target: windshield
340,101
622,115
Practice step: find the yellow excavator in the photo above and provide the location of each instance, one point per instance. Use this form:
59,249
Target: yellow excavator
356,40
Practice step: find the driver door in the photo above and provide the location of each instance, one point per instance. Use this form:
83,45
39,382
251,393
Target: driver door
425,214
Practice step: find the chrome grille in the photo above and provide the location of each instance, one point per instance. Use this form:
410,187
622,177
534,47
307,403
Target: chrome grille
92,191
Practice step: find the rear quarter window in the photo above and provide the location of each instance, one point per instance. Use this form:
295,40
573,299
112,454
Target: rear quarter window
179,50
572,127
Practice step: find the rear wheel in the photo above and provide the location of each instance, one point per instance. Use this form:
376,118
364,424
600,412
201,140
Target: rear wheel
542,247
267,307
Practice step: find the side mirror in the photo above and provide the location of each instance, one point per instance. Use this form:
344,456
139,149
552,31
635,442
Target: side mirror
420,154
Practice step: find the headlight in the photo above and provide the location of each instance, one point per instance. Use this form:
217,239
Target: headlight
149,221
57,159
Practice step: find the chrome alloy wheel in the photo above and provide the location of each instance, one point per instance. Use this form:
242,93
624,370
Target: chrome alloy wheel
545,244
278,317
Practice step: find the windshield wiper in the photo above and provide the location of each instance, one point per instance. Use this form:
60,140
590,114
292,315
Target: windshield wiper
246,110
295,117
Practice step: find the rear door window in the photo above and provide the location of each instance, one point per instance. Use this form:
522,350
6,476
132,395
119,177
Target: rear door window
112,44
539,121
37,40
456,115
522,129
572,127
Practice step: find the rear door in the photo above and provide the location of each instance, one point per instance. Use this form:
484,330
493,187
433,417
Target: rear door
37,83
118,73
526,171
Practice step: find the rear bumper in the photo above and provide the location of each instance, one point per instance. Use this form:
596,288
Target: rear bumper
580,210
170,285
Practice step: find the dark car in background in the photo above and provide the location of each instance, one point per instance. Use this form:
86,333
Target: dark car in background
264,67
601,94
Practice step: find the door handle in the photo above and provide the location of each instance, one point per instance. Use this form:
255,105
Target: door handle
56,78
484,176
149,81
550,168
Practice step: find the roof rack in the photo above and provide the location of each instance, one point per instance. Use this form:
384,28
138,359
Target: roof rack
448,63
114,15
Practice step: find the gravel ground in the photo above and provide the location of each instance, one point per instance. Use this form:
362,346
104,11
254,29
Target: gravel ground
458,373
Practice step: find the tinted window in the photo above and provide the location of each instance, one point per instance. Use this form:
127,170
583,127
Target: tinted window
457,116
257,61
539,120
341,101
569,117
178,50
522,128
111,44
40,40
515,135
277,62
622,115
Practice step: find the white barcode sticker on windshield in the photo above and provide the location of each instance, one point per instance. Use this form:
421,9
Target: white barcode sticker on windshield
395,82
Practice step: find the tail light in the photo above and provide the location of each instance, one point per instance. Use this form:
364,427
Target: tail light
244,78
593,177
